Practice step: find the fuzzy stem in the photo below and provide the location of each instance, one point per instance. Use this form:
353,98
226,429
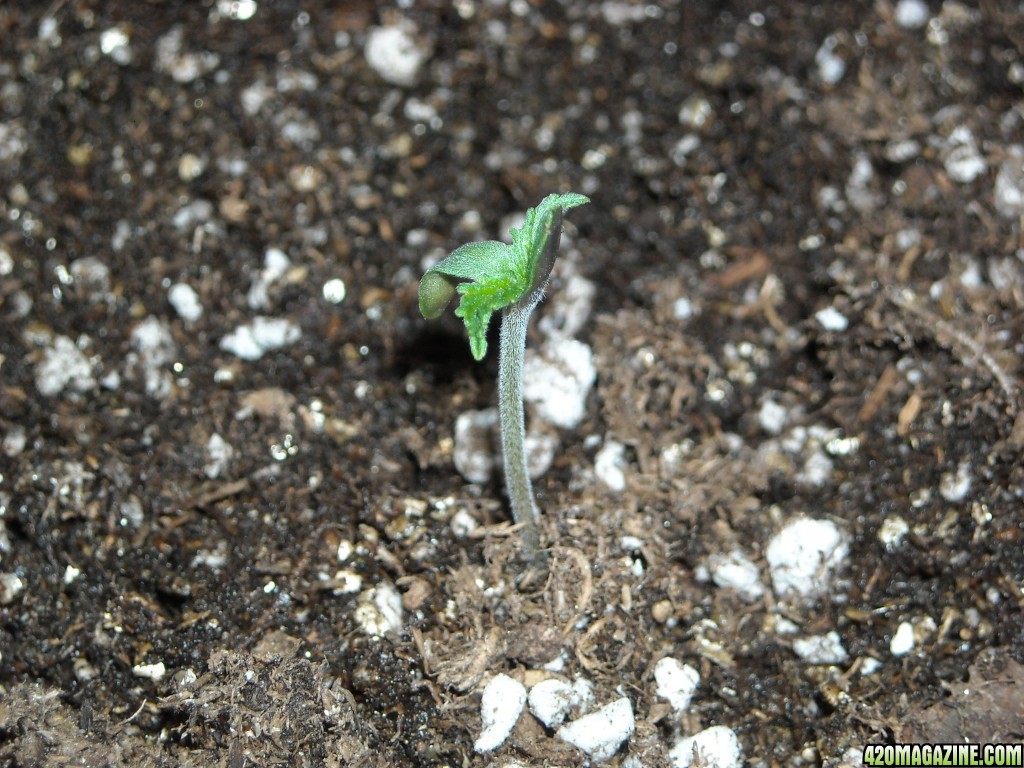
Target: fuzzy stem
514,322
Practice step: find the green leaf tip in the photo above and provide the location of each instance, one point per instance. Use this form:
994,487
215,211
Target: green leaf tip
540,222
491,275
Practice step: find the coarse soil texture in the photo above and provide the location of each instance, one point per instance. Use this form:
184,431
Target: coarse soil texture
232,530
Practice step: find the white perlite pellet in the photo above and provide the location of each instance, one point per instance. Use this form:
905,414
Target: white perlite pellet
551,700
609,464
831,319
185,300
379,610
737,572
394,54
473,454
557,379
804,556
821,649
253,340
601,733
716,747
150,671
902,642
502,703
911,14
63,365
676,682
772,417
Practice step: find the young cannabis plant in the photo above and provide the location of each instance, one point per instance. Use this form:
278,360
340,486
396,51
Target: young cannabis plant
493,276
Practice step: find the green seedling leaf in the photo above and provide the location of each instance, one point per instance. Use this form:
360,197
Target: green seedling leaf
482,299
490,278
491,275
530,240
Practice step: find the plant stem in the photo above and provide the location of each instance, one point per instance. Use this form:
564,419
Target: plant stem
515,321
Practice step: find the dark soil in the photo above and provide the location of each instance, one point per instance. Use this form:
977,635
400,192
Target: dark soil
241,522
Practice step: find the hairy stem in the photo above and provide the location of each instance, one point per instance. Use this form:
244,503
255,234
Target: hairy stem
514,323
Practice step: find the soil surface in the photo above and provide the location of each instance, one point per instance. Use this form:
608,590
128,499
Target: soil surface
232,529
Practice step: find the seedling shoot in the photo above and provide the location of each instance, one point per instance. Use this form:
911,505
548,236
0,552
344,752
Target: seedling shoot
491,276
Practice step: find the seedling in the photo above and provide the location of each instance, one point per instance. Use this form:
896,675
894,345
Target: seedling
492,276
